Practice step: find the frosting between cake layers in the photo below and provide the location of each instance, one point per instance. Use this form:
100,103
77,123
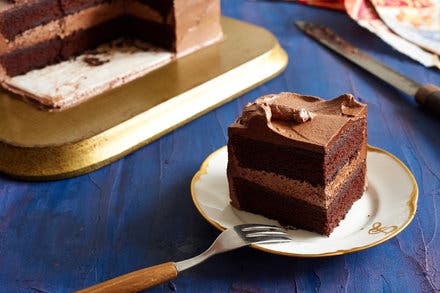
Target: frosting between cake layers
62,28
321,196
91,16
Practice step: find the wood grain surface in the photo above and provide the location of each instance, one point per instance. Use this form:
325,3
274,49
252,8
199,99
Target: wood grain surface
66,235
135,281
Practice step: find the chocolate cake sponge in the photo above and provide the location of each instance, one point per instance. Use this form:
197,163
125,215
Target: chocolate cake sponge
36,33
298,159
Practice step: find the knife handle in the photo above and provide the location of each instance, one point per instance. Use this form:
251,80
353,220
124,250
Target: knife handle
428,97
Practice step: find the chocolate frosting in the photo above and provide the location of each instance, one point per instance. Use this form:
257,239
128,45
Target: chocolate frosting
294,119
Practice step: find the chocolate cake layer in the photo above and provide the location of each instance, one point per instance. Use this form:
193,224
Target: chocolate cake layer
36,56
297,213
164,7
52,51
16,19
348,143
321,196
141,10
298,163
63,28
83,40
162,35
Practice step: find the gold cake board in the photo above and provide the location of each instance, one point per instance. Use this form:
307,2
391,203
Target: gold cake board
39,145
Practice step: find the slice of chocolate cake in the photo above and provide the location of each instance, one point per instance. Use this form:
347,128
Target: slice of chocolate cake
298,159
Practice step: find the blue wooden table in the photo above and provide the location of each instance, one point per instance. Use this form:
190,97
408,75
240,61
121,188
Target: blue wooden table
65,235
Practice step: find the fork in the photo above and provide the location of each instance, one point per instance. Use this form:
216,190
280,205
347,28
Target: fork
232,238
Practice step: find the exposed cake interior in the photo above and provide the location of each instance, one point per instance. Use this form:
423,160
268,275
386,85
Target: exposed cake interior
34,34
39,38
298,159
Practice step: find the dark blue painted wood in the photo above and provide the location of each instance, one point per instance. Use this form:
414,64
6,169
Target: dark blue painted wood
64,235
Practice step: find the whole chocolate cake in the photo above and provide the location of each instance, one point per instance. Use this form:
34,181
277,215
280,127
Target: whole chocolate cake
36,33
298,159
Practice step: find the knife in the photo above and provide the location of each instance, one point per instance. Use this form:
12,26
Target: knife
427,96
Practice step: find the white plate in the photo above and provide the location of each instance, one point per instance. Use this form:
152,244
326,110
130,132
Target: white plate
384,210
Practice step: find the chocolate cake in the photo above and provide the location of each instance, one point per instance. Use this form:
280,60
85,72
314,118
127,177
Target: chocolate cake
36,33
298,159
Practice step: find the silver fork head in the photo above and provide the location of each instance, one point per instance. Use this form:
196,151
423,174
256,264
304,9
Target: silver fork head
258,233
236,237
249,234
242,235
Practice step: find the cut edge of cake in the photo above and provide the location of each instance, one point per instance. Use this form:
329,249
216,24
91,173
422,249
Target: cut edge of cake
74,28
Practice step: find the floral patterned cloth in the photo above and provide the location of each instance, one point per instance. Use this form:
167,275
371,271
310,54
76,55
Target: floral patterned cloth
412,27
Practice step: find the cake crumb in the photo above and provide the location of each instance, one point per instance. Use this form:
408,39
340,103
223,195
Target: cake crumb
94,61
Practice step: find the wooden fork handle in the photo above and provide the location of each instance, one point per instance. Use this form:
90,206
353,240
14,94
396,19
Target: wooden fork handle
136,281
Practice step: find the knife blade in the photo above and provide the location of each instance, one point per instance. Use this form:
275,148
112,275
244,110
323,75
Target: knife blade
427,96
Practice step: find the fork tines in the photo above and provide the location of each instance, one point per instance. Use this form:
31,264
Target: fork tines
259,227
258,233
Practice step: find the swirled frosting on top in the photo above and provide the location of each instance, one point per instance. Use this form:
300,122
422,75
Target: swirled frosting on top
290,118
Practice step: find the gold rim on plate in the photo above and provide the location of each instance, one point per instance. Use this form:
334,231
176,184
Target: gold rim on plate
412,206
